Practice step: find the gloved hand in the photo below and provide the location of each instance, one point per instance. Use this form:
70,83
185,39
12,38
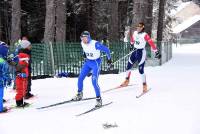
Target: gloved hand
110,65
157,55
22,75
109,61
84,55
131,47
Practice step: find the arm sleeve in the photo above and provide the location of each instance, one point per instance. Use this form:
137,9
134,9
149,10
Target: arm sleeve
103,48
132,39
150,41
6,72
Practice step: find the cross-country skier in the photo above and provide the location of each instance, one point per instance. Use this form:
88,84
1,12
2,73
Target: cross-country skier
5,79
138,41
92,49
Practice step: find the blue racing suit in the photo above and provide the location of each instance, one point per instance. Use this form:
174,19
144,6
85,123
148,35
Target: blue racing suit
92,63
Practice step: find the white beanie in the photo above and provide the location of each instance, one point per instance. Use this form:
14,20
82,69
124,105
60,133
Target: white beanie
25,43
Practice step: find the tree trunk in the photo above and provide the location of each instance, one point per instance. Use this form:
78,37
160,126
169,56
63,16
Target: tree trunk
16,21
161,17
142,12
149,17
49,34
90,15
113,29
160,29
60,21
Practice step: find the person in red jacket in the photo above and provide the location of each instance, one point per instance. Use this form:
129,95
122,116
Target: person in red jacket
22,79
138,41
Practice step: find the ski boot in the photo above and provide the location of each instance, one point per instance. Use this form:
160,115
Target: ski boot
4,101
5,110
21,103
28,95
144,87
78,96
125,83
98,102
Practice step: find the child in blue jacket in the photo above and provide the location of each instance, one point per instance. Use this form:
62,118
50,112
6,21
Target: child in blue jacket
5,79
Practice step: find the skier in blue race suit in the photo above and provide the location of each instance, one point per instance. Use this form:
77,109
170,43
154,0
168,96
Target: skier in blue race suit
92,50
5,79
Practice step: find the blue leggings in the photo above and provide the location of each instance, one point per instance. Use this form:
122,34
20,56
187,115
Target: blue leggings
94,66
139,56
1,98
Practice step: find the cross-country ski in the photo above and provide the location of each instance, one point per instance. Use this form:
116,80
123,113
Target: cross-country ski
94,109
64,102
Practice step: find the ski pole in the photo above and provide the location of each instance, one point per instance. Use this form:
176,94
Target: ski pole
123,57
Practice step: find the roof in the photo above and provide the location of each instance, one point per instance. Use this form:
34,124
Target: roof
186,10
180,7
187,23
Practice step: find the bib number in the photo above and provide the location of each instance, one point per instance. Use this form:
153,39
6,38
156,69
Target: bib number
89,54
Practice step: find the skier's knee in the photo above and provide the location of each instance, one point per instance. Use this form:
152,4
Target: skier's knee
129,66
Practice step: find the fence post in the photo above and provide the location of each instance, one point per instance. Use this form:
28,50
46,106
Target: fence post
52,58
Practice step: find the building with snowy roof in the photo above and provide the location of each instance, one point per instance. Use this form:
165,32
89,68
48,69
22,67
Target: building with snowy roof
188,28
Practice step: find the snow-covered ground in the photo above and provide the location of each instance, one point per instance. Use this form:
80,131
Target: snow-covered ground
171,107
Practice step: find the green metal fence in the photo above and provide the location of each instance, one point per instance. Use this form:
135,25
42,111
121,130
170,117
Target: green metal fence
51,59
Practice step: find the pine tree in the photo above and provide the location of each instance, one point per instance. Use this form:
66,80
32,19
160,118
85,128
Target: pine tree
161,17
49,34
142,12
60,20
16,21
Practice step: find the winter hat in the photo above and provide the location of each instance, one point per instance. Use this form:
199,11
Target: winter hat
86,34
3,49
25,43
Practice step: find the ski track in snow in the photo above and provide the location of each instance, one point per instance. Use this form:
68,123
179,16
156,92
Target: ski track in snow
171,107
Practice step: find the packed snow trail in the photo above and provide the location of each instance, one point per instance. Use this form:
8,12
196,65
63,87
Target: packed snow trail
171,107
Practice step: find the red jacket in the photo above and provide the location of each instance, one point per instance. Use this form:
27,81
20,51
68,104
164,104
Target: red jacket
23,62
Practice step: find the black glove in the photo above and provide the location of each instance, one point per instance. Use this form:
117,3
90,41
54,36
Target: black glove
110,65
157,55
131,47
84,55
109,61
